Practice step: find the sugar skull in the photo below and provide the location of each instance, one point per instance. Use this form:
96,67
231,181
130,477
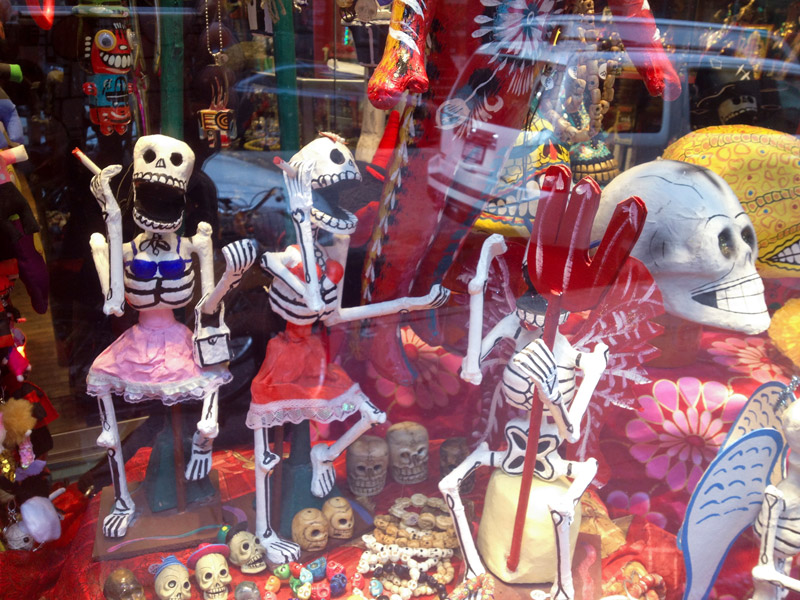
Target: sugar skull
211,570
172,580
247,553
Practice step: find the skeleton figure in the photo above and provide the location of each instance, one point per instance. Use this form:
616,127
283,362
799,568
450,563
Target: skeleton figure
154,275
295,383
532,366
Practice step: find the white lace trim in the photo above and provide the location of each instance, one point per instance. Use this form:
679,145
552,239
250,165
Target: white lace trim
100,384
299,410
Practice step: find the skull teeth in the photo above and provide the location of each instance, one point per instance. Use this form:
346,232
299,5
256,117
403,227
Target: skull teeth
116,61
742,296
329,179
410,475
162,178
362,488
152,225
220,591
334,224
789,255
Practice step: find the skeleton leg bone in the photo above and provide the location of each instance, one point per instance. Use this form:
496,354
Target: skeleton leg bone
279,551
322,456
115,524
207,429
449,487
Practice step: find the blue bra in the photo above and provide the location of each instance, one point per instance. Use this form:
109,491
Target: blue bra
147,269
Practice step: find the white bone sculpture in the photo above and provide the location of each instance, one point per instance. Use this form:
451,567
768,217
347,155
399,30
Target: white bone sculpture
532,366
306,297
153,273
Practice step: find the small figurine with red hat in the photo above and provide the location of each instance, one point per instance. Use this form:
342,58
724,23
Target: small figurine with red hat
211,572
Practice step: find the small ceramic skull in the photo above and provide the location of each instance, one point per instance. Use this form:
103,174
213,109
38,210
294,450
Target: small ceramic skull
172,581
213,576
247,553
18,537
452,453
367,465
121,584
408,452
697,242
339,514
310,530
247,590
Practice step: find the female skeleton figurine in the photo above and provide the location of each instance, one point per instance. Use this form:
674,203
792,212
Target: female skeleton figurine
532,366
154,275
296,382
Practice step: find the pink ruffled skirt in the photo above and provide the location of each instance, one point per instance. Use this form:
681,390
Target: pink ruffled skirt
153,361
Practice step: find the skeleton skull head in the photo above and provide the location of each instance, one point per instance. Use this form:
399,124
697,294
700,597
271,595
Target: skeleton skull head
247,590
247,553
18,537
367,465
121,584
310,530
211,571
333,169
698,243
172,580
408,452
452,453
162,167
339,514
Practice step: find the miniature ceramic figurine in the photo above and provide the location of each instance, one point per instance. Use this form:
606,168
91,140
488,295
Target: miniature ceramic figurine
295,382
121,584
698,243
171,579
367,465
408,452
211,570
753,455
310,530
246,551
339,515
560,238
155,359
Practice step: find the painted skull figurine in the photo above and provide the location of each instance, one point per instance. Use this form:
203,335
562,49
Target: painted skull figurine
367,465
18,537
339,515
211,570
162,167
310,530
172,580
247,553
698,243
408,452
121,584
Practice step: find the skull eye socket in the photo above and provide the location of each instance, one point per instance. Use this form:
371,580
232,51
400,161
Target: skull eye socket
149,155
361,468
342,522
172,584
749,237
315,533
337,157
223,572
186,585
725,240
207,576
245,546
176,159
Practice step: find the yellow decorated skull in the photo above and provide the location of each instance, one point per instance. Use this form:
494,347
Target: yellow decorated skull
762,167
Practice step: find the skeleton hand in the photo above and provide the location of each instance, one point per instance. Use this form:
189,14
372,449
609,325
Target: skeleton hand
595,361
537,362
473,377
239,256
101,189
299,188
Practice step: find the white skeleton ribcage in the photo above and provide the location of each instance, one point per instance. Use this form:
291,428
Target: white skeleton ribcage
787,536
158,292
292,306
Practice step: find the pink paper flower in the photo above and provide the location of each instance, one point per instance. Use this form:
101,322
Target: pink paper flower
681,427
750,356
437,379
636,504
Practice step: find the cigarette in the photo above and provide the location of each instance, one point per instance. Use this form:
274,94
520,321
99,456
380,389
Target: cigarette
87,162
285,166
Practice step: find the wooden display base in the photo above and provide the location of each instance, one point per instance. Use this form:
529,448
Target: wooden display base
586,574
164,531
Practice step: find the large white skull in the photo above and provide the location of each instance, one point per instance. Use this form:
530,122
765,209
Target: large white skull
697,242
367,465
247,553
408,452
162,167
339,514
172,583
213,576
310,529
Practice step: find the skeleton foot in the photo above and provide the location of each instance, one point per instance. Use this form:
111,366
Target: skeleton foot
106,440
323,475
199,464
115,525
280,551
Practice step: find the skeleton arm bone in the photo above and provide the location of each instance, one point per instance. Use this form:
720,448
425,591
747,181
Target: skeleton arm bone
239,257
471,367
110,260
593,365
436,297
507,327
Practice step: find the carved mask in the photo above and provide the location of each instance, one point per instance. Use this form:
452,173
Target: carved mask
367,465
408,452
